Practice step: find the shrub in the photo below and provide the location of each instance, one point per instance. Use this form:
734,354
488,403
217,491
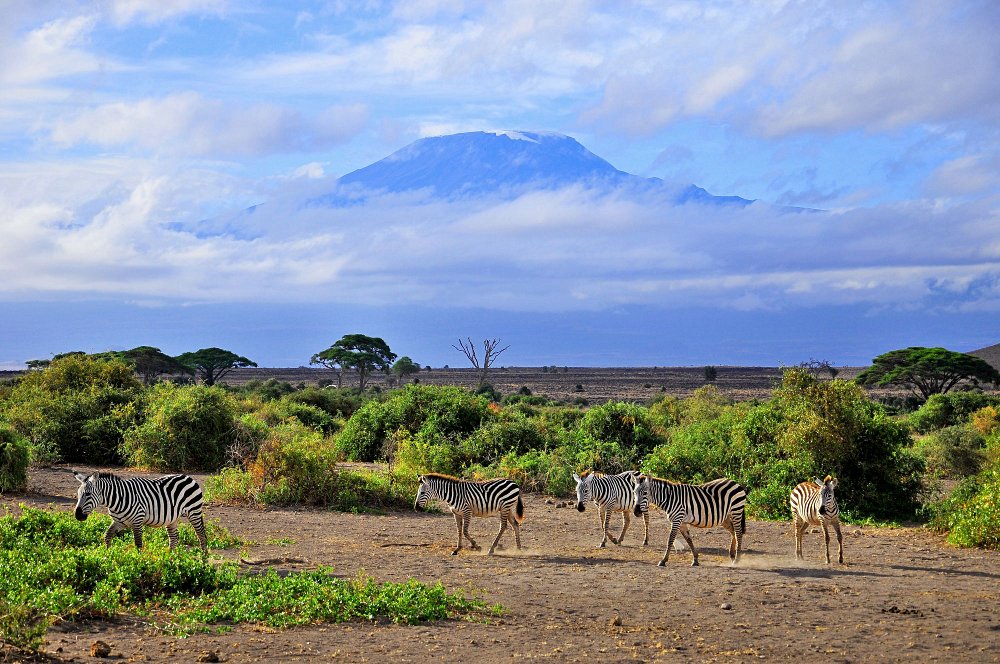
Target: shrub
340,403
952,452
627,424
275,412
435,412
185,428
295,465
77,409
971,514
15,454
513,434
943,410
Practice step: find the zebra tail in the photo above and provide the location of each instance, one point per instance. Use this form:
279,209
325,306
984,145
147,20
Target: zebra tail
519,510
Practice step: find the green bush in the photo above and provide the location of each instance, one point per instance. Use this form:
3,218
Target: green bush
76,410
15,454
971,514
275,412
950,409
952,452
295,465
627,424
340,403
513,433
433,411
185,428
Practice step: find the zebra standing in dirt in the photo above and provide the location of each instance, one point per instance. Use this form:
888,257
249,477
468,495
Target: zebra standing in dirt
611,493
467,499
135,502
716,503
813,503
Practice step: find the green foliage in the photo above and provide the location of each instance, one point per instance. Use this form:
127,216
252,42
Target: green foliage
971,514
404,367
15,453
433,412
515,434
76,409
275,412
185,428
928,371
295,465
56,569
952,452
626,424
338,403
944,410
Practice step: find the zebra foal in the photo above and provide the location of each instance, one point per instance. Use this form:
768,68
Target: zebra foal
611,493
467,499
720,502
134,502
813,504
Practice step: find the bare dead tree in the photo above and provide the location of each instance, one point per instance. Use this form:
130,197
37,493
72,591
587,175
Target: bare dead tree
490,353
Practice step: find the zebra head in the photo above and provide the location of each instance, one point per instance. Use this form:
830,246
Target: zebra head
87,496
425,493
640,494
582,490
827,501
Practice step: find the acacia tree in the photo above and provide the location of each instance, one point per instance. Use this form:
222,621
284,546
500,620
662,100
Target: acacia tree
211,364
490,354
927,371
360,352
151,363
404,367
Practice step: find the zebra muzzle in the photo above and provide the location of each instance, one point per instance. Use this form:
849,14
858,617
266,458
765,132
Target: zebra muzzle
580,507
80,516
637,511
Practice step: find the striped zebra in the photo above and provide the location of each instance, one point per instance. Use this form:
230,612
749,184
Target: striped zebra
611,493
467,499
134,502
813,503
716,503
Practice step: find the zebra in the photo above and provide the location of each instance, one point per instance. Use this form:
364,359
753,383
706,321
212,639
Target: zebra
134,502
611,493
813,503
467,499
716,503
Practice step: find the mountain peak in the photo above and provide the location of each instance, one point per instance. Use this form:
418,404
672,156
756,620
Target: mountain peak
480,162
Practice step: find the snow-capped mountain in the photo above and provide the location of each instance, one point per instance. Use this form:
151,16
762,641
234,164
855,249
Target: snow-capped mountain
505,163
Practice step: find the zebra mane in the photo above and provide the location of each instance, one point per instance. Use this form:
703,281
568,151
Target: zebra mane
588,473
104,475
827,479
442,476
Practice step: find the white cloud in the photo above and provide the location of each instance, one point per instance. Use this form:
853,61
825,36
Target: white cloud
151,12
186,123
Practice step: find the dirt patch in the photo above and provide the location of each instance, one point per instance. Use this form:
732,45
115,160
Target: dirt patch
903,594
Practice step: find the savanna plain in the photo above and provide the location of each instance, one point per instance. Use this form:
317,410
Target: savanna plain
902,594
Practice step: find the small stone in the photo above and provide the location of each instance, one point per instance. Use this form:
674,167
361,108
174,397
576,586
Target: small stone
100,649
725,606
615,622
209,656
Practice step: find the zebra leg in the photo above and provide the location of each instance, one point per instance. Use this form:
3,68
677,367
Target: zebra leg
172,536
198,523
137,534
645,537
626,519
605,516
734,550
826,533
670,542
687,537
517,530
458,524
840,540
468,519
800,529
112,530
504,516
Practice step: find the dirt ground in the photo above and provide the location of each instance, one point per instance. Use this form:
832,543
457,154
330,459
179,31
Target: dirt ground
903,594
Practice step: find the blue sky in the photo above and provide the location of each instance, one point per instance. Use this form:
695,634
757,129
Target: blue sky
130,130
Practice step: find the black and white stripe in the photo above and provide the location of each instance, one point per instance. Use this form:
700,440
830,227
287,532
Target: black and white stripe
467,499
813,503
717,503
134,502
611,493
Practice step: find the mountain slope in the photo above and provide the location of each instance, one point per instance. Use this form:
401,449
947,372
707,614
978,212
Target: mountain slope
506,163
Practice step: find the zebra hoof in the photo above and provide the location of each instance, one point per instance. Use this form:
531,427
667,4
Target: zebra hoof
455,552
695,564
661,564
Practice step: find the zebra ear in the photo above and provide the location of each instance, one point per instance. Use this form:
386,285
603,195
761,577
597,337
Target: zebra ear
420,478
818,482
577,478
81,478
833,482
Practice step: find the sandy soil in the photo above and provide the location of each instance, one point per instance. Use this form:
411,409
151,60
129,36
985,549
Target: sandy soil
903,594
